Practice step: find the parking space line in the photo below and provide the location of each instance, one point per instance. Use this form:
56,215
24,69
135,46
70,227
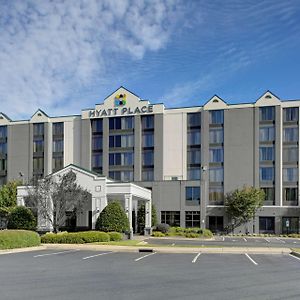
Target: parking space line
294,256
252,260
245,239
173,244
223,239
267,240
196,257
137,259
278,239
48,254
99,254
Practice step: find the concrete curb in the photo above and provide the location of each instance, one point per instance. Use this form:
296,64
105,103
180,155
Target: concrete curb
19,250
232,250
297,254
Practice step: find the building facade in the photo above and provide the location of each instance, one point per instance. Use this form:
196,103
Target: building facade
189,157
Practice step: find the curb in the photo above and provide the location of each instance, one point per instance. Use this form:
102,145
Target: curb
20,250
297,254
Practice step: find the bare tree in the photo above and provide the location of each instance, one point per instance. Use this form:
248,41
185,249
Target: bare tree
54,198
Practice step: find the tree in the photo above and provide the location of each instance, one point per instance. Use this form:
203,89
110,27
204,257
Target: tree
141,217
241,205
8,194
21,218
112,218
54,198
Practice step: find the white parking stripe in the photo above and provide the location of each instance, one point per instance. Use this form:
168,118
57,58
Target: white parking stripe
245,239
294,256
68,251
99,254
252,260
137,259
196,257
267,240
278,239
173,244
223,239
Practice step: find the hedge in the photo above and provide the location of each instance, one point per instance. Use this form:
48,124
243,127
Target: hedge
75,237
115,236
21,217
10,239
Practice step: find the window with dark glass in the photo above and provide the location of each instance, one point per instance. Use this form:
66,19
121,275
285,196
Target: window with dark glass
192,194
266,225
193,119
58,128
171,218
147,122
38,164
121,175
3,164
148,174
216,135
216,174
118,123
266,173
96,143
216,116
38,129
269,195
148,158
38,145
3,132
121,159
266,153
267,134
290,194
216,155
97,160
148,139
58,145
193,173
290,114
124,141
290,174
192,219
267,113
216,196
193,137
290,154
193,156
57,163
97,125
290,134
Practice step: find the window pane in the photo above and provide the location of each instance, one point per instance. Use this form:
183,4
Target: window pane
148,139
216,117
266,173
193,137
193,173
267,113
216,135
290,134
148,122
290,174
216,155
193,156
266,153
290,114
290,154
267,134
193,120
216,174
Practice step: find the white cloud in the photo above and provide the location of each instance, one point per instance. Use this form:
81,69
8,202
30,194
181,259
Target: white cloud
49,49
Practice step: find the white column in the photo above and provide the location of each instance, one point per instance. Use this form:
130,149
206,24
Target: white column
128,210
148,216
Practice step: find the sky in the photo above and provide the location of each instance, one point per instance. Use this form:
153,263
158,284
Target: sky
63,56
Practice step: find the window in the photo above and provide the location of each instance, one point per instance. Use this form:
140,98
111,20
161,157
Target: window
57,163
216,155
97,160
3,148
290,154
148,158
193,137
216,136
269,195
192,219
148,139
121,159
3,164
3,132
266,225
290,174
194,120
38,129
121,175
216,174
216,196
290,196
266,153
121,123
290,114
58,145
170,217
216,117
96,143
290,134
266,173
192,194
193,173
124,141
97,125
148,175
38,164
267,113
193,156
267,134
58,128
38,146
148,122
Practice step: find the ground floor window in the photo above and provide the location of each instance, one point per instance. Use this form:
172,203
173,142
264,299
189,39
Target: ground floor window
266,225
171,217
192,219
216,223
290,225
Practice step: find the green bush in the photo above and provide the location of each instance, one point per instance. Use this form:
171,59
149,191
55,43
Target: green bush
75,237
21,218
18,238
192,235
158,234
164,228
112,218
115,236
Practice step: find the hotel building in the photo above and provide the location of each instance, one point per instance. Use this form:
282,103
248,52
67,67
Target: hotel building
189,157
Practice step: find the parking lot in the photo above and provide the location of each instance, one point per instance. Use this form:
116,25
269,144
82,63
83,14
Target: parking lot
80,274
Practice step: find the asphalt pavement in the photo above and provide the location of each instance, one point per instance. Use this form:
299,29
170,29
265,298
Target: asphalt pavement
79,274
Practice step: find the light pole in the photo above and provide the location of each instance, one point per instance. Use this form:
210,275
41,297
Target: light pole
204,170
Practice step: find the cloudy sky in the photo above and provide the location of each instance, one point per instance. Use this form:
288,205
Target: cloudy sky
63,56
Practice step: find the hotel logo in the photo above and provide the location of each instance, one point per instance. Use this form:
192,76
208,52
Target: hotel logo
120,100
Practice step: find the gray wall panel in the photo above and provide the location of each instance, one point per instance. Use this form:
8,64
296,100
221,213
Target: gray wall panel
86,144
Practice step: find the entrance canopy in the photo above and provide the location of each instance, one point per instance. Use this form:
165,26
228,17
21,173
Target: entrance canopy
101,189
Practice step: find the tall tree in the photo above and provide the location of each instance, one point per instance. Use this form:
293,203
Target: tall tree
54,198
242,205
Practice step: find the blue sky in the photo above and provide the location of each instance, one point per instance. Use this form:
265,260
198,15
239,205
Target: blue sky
63,56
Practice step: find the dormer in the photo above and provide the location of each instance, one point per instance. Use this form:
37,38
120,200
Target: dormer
39,117
4,119
267,99
215,103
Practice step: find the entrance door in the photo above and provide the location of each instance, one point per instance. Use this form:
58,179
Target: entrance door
90,220
216,224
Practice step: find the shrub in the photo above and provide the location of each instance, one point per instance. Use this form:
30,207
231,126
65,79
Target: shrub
192,235
21,218
115,236
75,237
18,238
112,218
158,234
207,233
164,228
